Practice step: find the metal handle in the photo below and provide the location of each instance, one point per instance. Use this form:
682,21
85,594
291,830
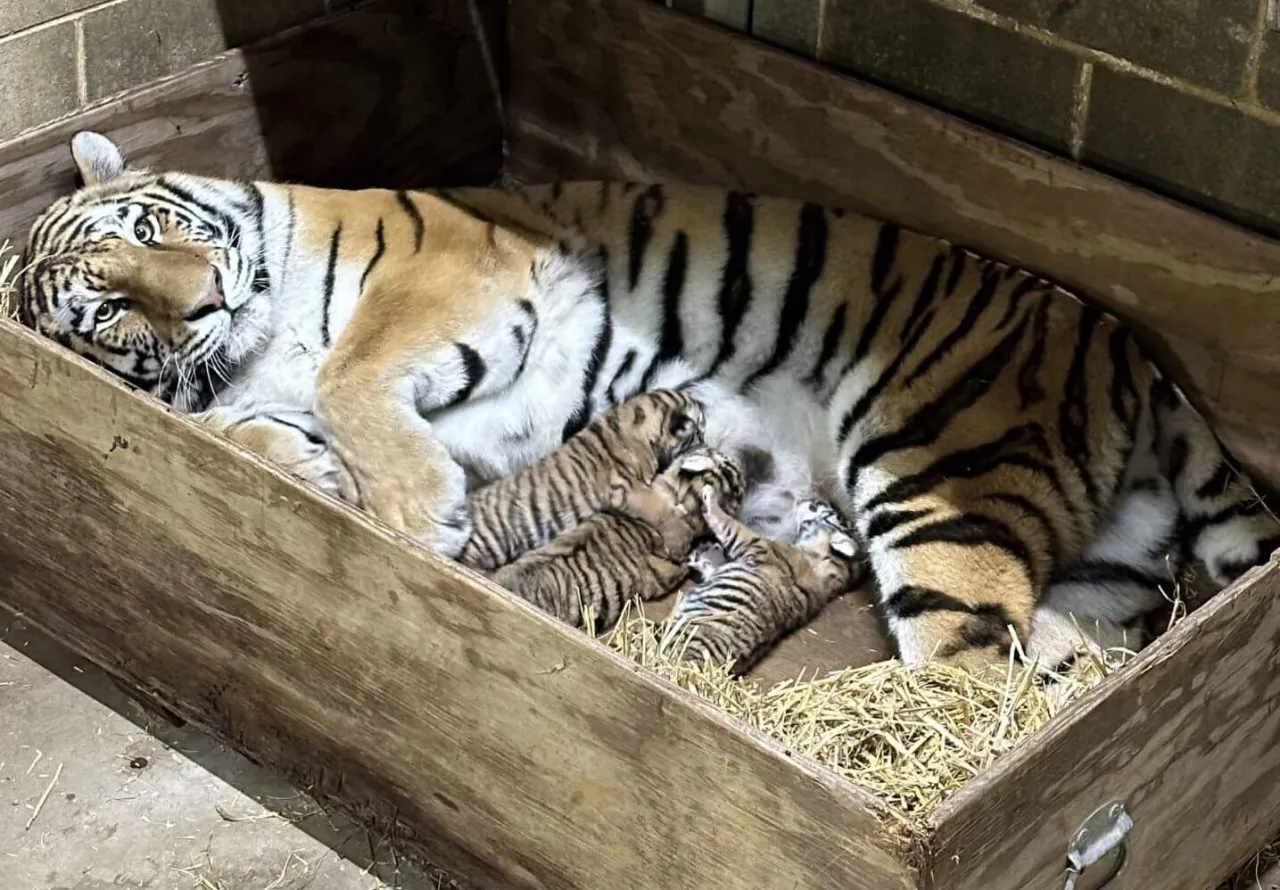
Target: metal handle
1102,833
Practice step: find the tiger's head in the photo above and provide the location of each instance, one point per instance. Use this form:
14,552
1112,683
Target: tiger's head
158,277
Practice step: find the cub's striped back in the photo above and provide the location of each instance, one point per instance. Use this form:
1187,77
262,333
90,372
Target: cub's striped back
635,549
626,446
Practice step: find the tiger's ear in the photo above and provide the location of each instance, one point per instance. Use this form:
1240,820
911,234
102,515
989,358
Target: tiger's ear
97,158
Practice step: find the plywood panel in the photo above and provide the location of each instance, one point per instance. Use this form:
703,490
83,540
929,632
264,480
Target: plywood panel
623,88
516,751
1189,740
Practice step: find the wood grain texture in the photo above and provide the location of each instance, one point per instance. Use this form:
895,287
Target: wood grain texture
393,94
514,750
1189,739
623,88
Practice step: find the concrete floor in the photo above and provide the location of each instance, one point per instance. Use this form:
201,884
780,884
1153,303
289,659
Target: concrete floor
97,793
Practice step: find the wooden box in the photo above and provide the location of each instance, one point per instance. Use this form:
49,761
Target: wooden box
516,752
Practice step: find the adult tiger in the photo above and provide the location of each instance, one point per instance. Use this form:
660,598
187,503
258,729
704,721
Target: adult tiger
984,427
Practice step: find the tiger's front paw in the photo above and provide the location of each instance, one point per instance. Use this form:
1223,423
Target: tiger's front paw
427,502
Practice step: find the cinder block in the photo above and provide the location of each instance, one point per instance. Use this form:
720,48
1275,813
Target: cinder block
18,14
37,78
1207,154
1203,41
140,40
732,13
962,64
792,24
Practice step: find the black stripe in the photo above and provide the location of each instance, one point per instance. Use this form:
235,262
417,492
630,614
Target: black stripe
1026,505
988,626
604,338
1029,389
926,424
968,463
887,520
473,369
377,255
735,278
672,343
1015,299
644,210
1122,380
830,343
185,196
1073,415
1195,526
864,403
882,263
1216,485
810,260
964,328
310,436
883,259
330,274
969,530
624,368
912,601
924,298
959,261
415,218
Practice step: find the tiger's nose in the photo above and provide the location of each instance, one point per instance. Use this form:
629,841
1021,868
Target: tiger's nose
211,297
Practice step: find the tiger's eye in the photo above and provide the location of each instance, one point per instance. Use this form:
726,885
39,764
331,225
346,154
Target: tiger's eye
108,311
144,231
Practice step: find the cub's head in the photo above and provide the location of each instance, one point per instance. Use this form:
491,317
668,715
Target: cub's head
160,278
700,467
668,422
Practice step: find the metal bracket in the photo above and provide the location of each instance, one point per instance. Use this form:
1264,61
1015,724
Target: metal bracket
1102,834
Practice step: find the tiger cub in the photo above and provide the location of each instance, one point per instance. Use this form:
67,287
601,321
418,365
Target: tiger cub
755,590
636,548
625,446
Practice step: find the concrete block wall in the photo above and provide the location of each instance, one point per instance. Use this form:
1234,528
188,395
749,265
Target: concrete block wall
1182,96
58,55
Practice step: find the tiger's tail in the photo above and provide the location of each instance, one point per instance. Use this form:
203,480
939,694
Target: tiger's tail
1226,524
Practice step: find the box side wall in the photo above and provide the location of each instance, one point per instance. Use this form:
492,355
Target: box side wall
1188,740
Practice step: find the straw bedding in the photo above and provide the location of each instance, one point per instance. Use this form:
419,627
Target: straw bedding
914,736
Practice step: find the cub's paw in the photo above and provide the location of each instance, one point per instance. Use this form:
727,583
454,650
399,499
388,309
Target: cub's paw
705,558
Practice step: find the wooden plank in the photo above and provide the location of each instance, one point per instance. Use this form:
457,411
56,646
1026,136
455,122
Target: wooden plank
514,750
392,94
1189,739
623,88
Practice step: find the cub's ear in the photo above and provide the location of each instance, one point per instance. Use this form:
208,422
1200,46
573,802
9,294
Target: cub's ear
96,157
843,545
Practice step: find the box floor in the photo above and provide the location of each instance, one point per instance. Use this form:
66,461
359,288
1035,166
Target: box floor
196,815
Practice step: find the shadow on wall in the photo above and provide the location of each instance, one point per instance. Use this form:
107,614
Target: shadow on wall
399,60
